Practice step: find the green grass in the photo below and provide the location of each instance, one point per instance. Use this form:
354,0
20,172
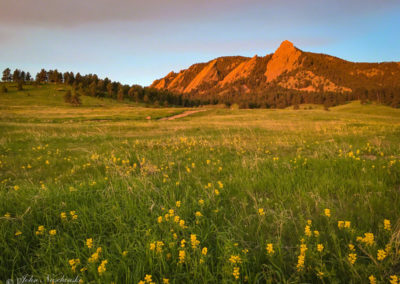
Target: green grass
120,172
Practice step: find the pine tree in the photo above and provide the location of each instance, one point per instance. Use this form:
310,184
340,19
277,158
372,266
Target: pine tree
6,75
41,77
16,75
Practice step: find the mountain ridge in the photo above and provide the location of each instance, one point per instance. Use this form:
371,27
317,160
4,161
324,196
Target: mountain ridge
287,70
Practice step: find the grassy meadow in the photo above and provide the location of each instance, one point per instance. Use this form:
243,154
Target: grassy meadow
103,194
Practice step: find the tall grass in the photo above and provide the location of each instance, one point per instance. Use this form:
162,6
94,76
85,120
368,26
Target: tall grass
252,187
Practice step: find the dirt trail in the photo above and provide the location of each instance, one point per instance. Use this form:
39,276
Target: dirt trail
186,113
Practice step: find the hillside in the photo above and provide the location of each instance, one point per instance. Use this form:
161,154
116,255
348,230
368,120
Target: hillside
45,103
288,71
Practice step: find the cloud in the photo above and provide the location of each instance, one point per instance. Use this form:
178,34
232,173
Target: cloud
71,13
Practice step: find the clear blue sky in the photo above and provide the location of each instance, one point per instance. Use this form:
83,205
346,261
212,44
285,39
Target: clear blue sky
138,41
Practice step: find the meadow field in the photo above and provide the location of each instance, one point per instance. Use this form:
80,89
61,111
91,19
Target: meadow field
109,193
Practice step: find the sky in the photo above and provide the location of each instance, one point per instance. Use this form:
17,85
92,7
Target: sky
136,42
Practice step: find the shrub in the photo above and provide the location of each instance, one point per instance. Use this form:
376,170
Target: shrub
73,98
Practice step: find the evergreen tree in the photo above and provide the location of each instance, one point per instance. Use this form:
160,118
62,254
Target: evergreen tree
6,75
16,75
110,90
93,89
22,76
41,77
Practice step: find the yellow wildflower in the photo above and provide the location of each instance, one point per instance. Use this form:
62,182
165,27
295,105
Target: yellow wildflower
198,214
194,241
204,251
320,247
261,212
102,267
17,233
316,233
89,243
394,279
201,202
327,212
63,215
300,262
165,281
159,246
40,230
182,256
147,278
73,263
372,279
307,231
94,257
270,249
386,224
368,239
352,257
16,187
235,259
159,219
303,248
236,272
124,253
381,254
178,204
52,232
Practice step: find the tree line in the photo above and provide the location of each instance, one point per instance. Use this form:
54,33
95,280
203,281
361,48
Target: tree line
272,96
92,85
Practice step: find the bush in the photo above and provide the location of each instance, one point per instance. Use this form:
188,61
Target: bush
72,98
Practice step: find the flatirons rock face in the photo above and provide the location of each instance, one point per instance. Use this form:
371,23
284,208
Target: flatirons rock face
287,68
285,59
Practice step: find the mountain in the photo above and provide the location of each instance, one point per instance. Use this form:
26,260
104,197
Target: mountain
288,70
